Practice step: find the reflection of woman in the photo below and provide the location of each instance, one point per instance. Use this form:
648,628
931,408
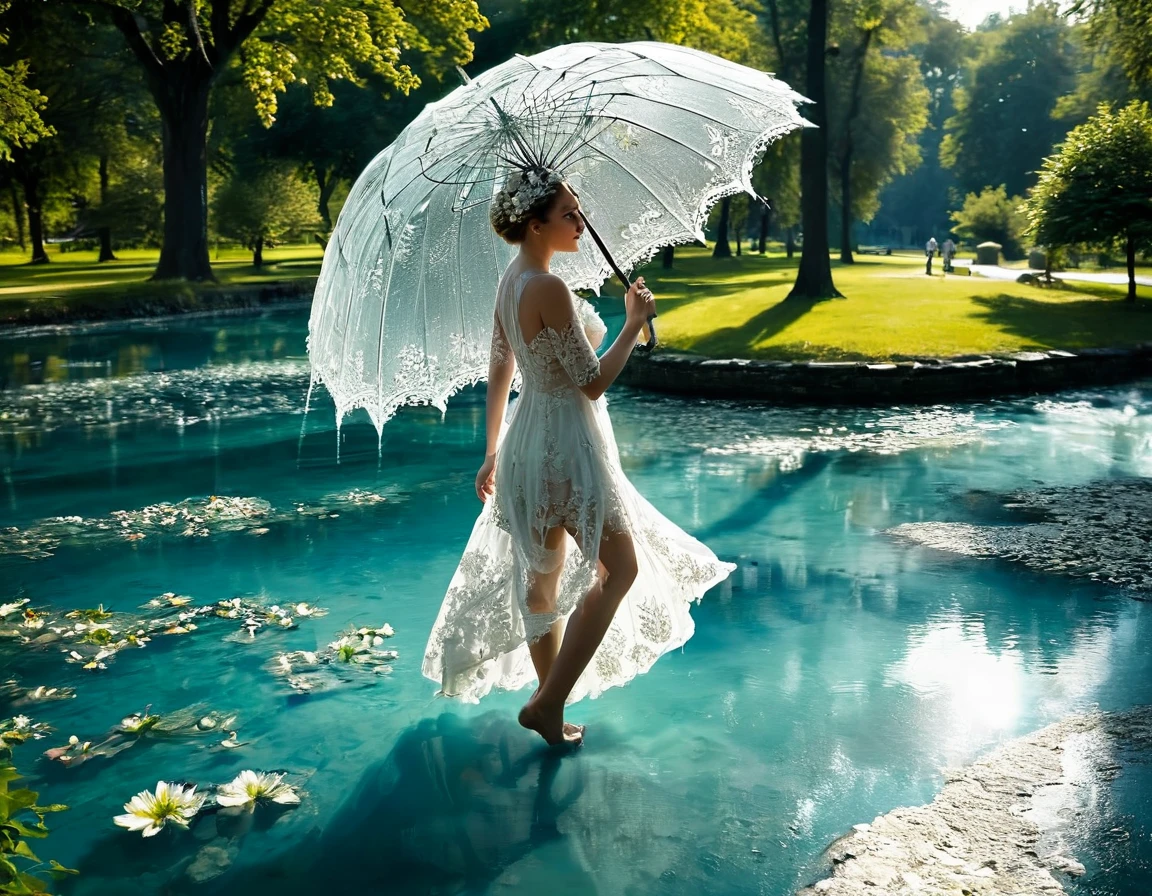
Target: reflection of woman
557,484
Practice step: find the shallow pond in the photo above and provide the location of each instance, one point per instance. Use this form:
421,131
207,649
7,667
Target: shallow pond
836,675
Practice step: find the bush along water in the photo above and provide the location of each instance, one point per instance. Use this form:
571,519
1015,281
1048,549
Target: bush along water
21,820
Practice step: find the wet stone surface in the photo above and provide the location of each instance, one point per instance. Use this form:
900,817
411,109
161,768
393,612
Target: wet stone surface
1101,531
996,827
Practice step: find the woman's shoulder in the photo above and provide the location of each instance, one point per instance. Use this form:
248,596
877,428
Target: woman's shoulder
547,290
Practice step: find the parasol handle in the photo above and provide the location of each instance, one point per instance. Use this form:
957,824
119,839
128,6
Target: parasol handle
649,326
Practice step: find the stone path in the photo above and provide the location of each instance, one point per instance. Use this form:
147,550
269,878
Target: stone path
994,830
994,272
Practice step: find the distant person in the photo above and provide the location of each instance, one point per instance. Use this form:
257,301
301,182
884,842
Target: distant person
948,250
930,251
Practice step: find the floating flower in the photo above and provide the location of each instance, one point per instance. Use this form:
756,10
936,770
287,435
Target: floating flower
350,649
99,614
138,722
9,609
249,788
20,728
43,692
149,812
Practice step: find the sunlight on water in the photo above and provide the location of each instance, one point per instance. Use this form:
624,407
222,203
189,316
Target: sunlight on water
838,673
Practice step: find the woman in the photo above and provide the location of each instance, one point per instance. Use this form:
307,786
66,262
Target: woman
570,577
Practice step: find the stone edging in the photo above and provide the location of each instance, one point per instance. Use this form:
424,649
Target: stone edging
855,382
247,297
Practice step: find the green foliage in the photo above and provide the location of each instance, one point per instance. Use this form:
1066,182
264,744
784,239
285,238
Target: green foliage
261,207
1124,29
18,808
20,104
1097,188
1003,125
134,208
281,42
724,27
992,215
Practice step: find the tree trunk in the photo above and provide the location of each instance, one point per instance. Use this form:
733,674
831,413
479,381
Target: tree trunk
814,278
790,242
106,253
850,150
846,206
765,225
669,257
17,214
327,184
184,117
258,253
1131,297
34,203
723,250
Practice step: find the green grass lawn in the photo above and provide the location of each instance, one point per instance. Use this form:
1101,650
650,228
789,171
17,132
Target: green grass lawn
722,308
736,308
76,280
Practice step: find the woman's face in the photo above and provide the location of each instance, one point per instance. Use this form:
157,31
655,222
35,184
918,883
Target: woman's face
562,228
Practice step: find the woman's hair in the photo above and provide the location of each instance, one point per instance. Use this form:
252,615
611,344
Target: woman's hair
527,195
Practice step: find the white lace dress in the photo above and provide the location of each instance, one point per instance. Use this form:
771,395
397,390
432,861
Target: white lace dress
557,464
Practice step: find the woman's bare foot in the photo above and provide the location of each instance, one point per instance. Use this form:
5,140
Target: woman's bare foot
549,724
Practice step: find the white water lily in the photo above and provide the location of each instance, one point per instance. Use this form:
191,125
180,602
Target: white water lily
350,650
9,609
19,722
149,812
250,787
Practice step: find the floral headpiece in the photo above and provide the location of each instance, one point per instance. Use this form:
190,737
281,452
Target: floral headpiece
524,189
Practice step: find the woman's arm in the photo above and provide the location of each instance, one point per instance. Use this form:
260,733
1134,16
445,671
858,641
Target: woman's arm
501,370
593,376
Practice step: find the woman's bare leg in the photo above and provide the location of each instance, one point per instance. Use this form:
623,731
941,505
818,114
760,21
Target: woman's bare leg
543,593
588,624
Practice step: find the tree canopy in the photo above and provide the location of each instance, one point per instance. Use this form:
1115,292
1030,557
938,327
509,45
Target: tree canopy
1097,188
20,104
1003,126
185,48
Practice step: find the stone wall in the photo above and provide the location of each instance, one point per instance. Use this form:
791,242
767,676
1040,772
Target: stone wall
187,298
927,380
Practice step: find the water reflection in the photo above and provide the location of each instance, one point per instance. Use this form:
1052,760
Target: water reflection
967,690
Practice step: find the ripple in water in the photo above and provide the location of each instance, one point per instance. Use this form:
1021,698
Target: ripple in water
177,398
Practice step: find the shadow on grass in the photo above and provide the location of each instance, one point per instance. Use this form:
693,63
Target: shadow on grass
739,340
1074,324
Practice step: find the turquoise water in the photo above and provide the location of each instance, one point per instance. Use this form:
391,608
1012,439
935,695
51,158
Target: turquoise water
839,672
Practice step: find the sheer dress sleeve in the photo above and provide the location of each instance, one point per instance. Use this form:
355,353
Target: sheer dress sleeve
501,352
575,353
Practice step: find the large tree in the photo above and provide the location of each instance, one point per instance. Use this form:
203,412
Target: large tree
1097,188
814,278
185,47
1003,125
920,200
877,105
90,94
